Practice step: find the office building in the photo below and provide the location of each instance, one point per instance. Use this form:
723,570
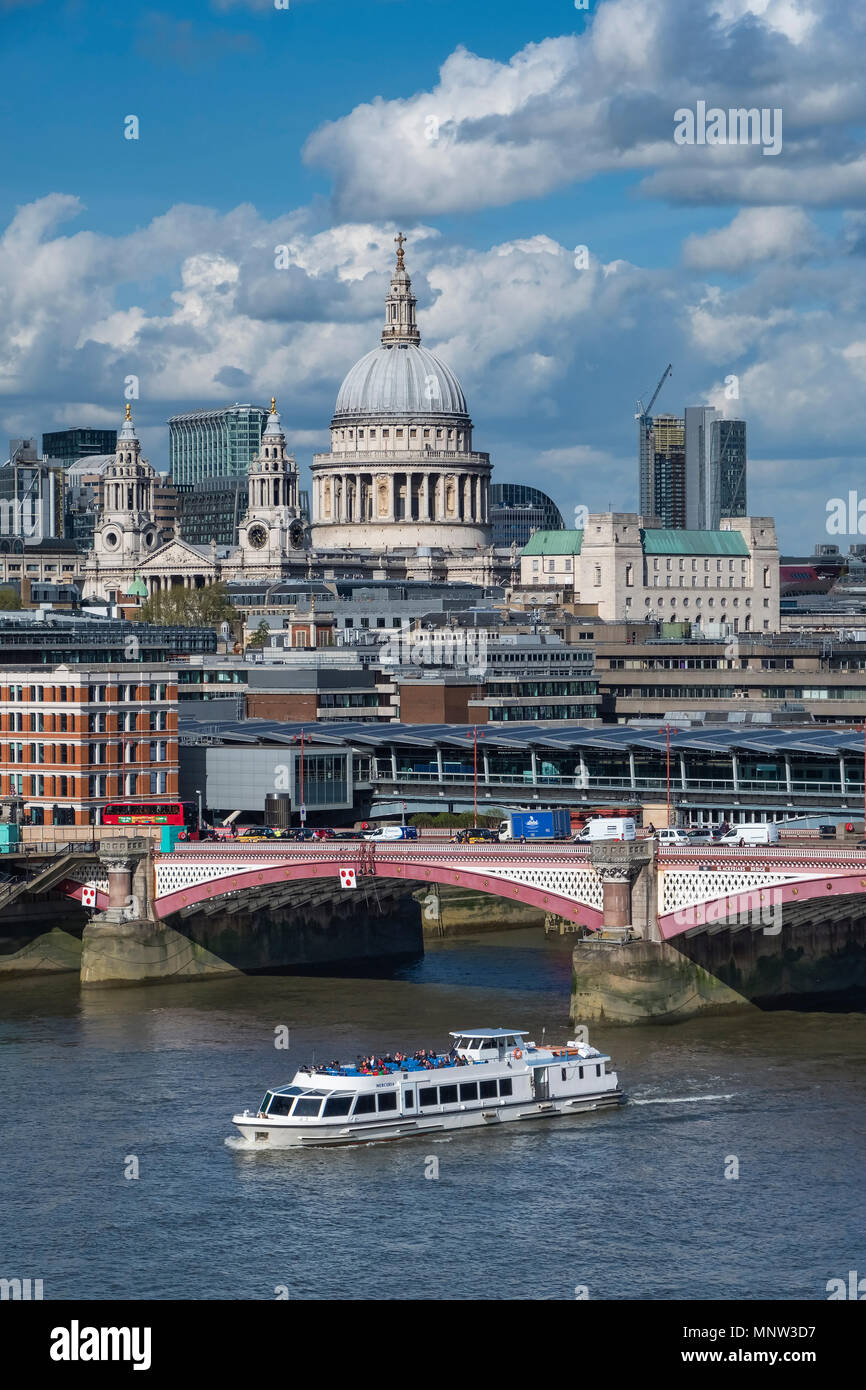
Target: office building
669,470
625,568
74,738
63,447
211,510
214,443
516,511
729,465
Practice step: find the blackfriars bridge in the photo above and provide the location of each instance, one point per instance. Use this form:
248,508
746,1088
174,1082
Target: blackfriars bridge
680,929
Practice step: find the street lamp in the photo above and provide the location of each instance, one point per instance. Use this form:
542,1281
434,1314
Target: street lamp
198,794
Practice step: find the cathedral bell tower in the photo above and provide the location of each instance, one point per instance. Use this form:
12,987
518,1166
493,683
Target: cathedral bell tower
272,527
126,532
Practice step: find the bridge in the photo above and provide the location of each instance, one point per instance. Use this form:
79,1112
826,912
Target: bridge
660,895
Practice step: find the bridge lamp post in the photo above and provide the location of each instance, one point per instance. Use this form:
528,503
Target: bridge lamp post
303,810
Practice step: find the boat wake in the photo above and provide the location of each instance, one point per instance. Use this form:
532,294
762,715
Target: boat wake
682,1100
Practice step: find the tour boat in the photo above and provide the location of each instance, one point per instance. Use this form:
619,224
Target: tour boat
488,1076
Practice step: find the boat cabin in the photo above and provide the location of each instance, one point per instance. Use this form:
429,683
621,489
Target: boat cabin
488,1044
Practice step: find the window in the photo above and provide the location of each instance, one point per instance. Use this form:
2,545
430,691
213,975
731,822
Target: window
469,1090
487,1090
505,1086
387,1101
337,1105
428,1095
281,1105
447,1095
364,1105
307,1105
408,1100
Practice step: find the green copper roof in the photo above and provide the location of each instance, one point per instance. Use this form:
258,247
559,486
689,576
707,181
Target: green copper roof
553,543
672,541
137,589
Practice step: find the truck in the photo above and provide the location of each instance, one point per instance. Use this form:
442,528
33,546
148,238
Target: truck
536,825
607,828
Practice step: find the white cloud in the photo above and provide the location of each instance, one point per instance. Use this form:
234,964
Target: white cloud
567,108
755,234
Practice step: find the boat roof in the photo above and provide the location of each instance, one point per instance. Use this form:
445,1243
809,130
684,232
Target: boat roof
490,1033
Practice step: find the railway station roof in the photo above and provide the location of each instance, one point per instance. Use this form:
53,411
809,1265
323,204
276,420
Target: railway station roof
817,740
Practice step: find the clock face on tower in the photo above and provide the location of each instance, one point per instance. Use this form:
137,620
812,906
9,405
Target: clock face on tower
257,536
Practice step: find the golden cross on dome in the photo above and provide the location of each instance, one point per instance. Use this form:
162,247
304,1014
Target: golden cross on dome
273,405
128,411
399,240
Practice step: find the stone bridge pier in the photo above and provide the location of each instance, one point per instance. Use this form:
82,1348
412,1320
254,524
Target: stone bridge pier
126,943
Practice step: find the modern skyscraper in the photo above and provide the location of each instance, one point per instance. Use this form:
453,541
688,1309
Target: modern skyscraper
702,479
729,465
669,470
214,443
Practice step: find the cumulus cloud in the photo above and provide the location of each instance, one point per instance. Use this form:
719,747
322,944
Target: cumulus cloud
755,234
567,108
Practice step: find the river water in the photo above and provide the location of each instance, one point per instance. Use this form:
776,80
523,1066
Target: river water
631,1203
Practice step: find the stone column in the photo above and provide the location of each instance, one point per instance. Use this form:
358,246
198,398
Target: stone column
119,881
424,498
392,497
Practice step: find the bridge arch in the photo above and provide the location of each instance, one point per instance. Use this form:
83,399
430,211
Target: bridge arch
481,879
759,898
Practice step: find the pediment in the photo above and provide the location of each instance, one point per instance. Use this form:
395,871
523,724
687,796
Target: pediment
176,554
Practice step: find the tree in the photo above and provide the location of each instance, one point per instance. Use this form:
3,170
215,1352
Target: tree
260,636
9,598
179,607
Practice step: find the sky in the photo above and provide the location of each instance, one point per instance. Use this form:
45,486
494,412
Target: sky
563,244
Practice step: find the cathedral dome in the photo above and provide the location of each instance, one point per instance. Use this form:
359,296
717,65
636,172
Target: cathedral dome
399,379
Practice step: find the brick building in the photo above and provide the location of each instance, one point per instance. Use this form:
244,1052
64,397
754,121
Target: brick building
75,737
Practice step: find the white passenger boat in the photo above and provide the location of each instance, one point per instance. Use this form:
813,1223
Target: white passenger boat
488,1076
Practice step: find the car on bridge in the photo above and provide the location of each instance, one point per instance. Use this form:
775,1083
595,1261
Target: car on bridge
475,835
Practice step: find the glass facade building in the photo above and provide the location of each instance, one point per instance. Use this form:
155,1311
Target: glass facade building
729,462
516,511
214,443
65,446
212,510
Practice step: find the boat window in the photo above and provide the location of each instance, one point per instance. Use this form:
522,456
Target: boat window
580,1073
474,1044
489,1043
447,1095
408,1100
263,1108
281,1105
364,1105
487,1089
428,1095
307,1105
388,1101
469,1090
505,1086
563,1074
337,1105
598,1071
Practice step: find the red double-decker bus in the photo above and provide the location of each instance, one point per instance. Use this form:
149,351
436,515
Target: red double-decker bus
151,813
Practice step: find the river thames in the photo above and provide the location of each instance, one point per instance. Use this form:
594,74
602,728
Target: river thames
631,1203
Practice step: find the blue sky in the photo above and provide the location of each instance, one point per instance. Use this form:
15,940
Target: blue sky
311,127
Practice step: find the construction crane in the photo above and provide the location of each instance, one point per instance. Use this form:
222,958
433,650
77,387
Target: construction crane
640,412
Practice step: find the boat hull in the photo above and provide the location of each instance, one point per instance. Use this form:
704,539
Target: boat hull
270,1134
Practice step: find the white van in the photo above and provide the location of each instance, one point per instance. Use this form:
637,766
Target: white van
607,828
766,834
